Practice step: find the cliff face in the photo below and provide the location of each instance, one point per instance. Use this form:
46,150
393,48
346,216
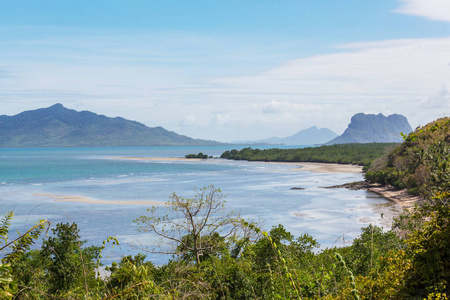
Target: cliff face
374,129
57,126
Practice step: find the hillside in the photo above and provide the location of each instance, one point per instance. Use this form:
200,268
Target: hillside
421,163
57,126
374,129
309,136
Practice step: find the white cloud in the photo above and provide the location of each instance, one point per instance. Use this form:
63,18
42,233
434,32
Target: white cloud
222,118
393,76
273,107
384,76
438,10
439,100
188,120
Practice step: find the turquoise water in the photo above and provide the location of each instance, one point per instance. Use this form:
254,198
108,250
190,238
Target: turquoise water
28,178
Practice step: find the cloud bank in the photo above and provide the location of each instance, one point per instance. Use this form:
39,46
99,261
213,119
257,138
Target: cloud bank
438,10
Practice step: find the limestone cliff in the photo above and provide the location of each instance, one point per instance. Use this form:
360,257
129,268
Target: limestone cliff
374,129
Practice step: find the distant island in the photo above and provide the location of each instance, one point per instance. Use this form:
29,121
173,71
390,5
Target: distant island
57,126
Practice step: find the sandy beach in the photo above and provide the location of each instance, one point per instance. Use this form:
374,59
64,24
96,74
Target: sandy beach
400,197
299,166
327,168
82,199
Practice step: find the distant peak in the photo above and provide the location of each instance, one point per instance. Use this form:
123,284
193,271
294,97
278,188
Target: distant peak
57,105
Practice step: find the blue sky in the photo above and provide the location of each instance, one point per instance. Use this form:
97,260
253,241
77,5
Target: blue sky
228,70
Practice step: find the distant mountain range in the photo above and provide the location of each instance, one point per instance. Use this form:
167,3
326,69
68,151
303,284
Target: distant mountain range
57,126
374,129
309,136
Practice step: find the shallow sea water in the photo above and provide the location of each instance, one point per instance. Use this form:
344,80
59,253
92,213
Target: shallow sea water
257,190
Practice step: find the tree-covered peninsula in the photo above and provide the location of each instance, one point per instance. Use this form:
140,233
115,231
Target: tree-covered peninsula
357,154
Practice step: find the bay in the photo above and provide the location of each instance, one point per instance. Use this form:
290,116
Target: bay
32,180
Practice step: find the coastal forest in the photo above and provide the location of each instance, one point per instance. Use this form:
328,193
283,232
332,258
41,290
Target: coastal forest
215,254
356,154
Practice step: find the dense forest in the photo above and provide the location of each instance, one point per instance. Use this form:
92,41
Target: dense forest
215,254
357,154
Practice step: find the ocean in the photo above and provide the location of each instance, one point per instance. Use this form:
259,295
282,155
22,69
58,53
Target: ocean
31,180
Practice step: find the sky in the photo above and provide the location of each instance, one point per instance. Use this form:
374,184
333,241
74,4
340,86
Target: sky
228,70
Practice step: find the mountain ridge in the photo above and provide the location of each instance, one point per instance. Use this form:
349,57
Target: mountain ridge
309,136
58,126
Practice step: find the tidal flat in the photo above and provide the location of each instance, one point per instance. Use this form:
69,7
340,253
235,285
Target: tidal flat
103,192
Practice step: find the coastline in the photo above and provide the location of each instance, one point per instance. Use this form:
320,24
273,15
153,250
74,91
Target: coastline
300,166
326,167
400,197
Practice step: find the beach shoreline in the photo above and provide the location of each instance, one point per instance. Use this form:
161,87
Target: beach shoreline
315,167
400,197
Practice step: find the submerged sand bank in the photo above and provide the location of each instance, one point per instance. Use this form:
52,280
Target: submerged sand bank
82,199
300,166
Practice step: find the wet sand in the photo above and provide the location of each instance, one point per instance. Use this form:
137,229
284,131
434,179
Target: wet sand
327,168
300,166
400,197
82,199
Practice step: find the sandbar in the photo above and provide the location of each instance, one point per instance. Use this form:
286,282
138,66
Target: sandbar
300,166
82,199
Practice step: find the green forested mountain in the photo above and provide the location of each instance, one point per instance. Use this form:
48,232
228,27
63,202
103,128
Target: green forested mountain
57,126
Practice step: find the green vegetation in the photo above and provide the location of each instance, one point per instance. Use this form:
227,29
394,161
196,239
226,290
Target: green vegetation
224,257
217,255
421,164
200,155
357,154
